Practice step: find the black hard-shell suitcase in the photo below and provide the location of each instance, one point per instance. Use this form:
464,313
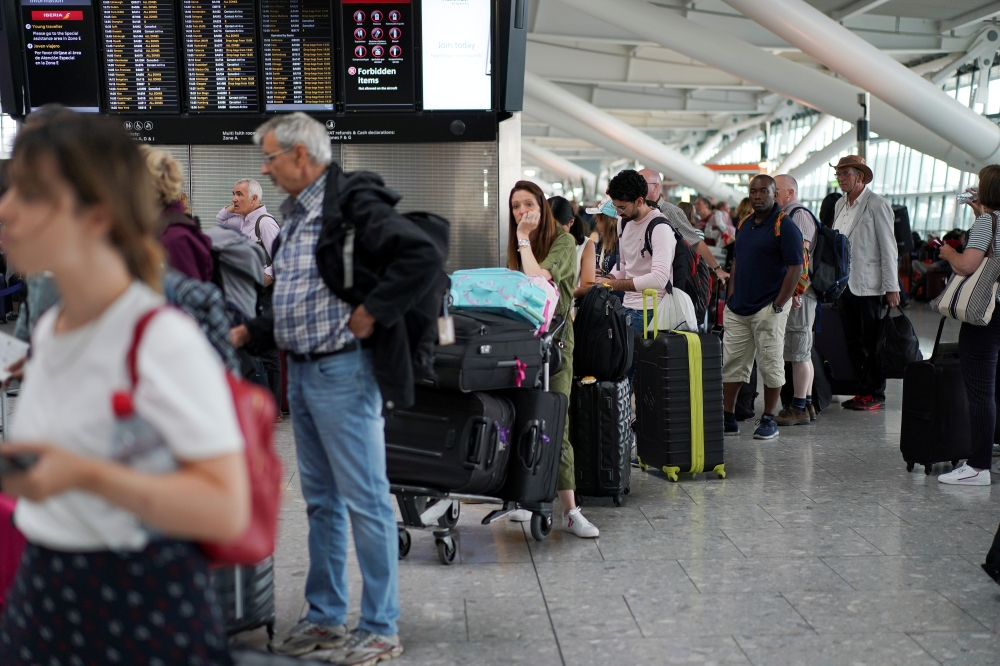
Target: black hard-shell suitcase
666,401
246,596
490,353
935,422
457,442
535,445
601,433
832,347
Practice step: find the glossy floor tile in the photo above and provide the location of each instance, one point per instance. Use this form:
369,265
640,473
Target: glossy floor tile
818,548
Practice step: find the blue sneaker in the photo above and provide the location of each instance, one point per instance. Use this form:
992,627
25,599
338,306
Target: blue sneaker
731,428
767,428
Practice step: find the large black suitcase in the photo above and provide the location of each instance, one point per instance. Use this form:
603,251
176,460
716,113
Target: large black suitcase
246,596
668,403
601,433
450,441
935,422
832,347
535,446
604,337
490,353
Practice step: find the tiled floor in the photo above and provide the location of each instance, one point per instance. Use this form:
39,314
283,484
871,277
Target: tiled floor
819,548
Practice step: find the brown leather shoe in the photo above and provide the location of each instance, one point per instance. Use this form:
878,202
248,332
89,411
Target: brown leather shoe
790,416
811,410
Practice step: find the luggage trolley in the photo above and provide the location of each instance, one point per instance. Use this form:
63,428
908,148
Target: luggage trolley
439,511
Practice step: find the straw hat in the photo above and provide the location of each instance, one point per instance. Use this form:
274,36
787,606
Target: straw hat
858,163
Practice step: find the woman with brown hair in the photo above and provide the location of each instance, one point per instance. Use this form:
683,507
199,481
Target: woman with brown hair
110,507
536,245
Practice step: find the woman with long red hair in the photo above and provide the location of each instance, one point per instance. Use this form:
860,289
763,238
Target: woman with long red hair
537,245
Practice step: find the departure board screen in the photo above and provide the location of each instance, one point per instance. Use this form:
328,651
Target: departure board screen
220,46
298,55
61,53
140,55
378,53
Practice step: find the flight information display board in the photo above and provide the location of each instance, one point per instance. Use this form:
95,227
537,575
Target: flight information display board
140,56
220,46
298,54
61,53
378,54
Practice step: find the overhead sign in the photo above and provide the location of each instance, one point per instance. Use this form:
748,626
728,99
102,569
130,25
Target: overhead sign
378,54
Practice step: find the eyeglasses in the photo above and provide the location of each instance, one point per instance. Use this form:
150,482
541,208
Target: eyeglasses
269,157
622,209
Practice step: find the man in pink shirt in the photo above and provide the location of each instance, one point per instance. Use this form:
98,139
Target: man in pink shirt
640,267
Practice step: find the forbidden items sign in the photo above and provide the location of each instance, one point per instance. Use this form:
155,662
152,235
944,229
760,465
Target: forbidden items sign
379,54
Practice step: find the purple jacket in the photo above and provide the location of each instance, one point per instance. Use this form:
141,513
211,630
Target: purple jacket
188,249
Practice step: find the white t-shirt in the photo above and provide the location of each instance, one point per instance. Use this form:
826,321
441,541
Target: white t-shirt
66,401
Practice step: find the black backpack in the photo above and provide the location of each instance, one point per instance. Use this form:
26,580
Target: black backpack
691,273
422,319
829,261
605,340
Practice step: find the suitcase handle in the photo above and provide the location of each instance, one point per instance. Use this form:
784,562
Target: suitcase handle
530,446
476,448
645,323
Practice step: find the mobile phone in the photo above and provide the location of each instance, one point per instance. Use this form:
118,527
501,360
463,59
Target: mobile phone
16,463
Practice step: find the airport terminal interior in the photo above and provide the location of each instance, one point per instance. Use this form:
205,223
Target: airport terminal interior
822,545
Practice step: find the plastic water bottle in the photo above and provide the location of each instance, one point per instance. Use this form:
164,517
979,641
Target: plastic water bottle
135,442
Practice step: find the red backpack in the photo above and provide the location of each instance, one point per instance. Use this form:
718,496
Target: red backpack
255,412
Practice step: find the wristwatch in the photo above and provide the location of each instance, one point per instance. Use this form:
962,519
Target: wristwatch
718,267
523,243
777,308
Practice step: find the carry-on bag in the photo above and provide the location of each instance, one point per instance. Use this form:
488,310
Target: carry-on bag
490,353
246,596
535,445
972,298
505,292
831,344
678,387
450,441
897,345
935,422
604,337
601,433
12,544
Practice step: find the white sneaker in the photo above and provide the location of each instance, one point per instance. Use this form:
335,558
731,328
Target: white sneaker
966,476
577,523
519,516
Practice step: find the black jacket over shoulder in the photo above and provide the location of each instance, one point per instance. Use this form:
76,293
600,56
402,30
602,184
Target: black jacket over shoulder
368,253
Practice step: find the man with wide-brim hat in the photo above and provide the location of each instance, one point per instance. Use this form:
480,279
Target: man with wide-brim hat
869,224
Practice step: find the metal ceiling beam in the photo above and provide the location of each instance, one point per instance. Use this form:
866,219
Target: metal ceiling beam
780,75
982,49
743,138
984,13
669,161
844,52
856,9
798,154
557,163
822,157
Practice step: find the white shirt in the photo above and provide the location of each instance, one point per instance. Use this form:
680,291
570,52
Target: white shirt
844,222
66,401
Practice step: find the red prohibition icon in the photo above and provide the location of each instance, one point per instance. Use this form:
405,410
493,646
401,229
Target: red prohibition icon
377,16
394,16
359,34
395,33
395,51
360,52
359,17
377,52
377,33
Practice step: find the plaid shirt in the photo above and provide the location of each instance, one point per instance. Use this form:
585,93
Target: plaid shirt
308,317
204,302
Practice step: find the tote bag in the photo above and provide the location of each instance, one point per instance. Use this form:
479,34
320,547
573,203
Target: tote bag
675,313
972,298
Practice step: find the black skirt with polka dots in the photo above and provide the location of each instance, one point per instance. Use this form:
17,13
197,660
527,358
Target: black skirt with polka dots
152,607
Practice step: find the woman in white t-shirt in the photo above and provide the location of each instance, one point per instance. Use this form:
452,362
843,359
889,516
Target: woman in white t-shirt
111,573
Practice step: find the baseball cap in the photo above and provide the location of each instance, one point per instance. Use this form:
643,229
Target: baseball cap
607,207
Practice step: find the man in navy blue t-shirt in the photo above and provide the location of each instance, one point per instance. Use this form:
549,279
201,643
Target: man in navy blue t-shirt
766,269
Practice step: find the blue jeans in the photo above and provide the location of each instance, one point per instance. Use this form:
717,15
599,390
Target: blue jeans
340,441
637,329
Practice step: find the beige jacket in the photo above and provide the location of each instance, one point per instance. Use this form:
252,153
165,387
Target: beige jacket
871,233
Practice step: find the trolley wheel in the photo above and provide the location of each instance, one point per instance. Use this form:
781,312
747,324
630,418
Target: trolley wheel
541,526
927,470
617,499
447,551
628,489
909,467
643,466
954,463
450,517
721,474
405,541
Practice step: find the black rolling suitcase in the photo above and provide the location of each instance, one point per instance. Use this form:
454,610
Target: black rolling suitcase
832,347
535,446
450,441
601,433
490,353
935,423
246,596
678,388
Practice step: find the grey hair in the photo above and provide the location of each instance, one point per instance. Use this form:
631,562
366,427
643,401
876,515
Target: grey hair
791,179
253,189
295,128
